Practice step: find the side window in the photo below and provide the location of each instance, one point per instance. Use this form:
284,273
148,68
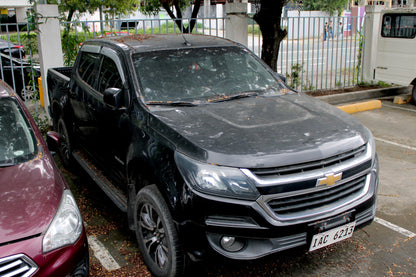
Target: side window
88,67
109,76
399,26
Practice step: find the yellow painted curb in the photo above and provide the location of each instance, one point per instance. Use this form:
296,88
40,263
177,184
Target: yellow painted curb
361,106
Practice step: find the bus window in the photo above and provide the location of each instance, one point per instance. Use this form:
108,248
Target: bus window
399,26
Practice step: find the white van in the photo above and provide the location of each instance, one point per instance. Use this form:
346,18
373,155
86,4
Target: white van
396,48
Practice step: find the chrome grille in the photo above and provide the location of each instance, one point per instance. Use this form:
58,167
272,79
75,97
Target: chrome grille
291,193
317,199
17,266
309,166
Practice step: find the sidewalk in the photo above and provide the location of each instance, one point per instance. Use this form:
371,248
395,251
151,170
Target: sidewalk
358,101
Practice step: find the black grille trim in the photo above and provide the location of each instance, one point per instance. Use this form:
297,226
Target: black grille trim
309,184
318,199
309,166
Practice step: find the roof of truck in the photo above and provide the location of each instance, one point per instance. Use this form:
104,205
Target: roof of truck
146,43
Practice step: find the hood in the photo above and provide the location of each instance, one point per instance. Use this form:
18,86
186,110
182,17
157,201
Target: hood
260,132
30,194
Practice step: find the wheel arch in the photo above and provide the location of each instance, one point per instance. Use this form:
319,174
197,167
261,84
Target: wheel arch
143,171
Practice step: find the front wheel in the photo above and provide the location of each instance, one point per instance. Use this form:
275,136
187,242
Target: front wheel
156,234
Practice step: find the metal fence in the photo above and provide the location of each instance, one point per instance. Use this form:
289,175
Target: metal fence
80,31
311,59
16,59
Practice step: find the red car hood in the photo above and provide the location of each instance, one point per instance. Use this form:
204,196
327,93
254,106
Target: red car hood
30,194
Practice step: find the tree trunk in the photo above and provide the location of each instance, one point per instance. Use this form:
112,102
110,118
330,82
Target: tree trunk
268,18
194,15
178,18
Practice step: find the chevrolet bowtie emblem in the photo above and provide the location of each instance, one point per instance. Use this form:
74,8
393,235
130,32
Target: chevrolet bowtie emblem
329,179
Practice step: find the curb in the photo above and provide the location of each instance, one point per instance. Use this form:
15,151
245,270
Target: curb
357,96
361,106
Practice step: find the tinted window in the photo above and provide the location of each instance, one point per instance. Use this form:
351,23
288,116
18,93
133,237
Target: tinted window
109,75
17,140
88,67
201,74
399,26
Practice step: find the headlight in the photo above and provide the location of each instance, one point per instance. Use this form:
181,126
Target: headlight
371,145
66,226
217,180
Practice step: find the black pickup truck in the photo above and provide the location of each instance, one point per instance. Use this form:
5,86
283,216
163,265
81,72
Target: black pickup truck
207,150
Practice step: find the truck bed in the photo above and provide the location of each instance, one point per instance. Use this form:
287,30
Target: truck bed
58,81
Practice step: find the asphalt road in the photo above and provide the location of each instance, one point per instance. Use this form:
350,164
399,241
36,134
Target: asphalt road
387,247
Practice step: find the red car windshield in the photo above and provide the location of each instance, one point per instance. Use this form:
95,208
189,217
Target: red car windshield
17,140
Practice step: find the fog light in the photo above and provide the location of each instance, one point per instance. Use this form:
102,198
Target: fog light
231,244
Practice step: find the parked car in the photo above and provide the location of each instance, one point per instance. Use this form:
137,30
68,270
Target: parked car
41,229
18,74
208,151
12,49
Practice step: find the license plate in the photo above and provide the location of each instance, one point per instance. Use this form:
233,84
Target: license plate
332,236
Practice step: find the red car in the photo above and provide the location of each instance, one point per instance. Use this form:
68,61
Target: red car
41,229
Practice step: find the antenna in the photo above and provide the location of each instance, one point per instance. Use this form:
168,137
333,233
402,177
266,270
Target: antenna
187,43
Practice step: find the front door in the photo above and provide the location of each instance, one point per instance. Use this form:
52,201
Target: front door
111,144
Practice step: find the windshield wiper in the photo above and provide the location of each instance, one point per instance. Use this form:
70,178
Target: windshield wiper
173,103
6,164
223,98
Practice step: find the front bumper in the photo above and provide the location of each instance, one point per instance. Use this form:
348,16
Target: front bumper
259,231
72,260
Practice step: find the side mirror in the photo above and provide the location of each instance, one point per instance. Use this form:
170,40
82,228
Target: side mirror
113,97
53,141
283,77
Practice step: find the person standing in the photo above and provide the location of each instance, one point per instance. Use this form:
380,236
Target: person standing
325,30
331,30
340,29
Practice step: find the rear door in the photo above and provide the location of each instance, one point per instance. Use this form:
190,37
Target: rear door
82,95
396,55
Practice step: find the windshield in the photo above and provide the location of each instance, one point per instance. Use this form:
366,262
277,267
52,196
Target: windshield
17,141
202,75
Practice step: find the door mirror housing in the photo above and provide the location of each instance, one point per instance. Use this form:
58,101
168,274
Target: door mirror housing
53,140
282,77
113,97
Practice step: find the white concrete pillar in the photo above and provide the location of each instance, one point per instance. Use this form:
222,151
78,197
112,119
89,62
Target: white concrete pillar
236,22
219,13
372,29
49,43
21,16
207,7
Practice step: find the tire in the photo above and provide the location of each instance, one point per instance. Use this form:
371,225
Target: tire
156,234
65,145
414,94
28,93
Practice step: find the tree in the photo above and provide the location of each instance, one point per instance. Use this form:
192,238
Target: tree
112,7
330,6
153,7
268,17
